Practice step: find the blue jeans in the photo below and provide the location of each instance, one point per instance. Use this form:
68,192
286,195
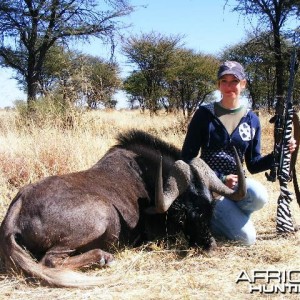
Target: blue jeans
232,219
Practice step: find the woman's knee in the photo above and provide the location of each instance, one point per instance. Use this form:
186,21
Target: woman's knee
231,222
256,197
258,193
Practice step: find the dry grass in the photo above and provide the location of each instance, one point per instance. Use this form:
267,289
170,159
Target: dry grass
152,271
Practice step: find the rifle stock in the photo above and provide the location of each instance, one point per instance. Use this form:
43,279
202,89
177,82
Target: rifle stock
283,167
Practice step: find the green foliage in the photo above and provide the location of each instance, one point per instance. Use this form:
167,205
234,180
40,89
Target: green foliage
81,79
152,54
103,79
135,85
191,80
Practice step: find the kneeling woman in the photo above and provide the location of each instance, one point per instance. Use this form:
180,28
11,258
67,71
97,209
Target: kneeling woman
213,130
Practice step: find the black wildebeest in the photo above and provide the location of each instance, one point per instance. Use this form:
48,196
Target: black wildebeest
69,221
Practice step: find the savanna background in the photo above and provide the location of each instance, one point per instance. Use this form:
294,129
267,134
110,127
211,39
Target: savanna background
159,270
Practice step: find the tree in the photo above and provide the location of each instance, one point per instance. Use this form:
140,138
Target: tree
135,86
103,78
273,14
57,65
168,75
29,28
191,80
152,54
81,79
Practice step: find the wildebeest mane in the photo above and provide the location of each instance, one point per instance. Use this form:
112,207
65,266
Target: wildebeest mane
131,139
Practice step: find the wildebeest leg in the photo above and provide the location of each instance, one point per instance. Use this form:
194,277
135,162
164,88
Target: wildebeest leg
57,259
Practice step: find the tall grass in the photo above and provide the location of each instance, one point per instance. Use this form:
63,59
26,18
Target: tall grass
153,271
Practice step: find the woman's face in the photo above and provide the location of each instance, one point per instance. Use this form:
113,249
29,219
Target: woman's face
230,87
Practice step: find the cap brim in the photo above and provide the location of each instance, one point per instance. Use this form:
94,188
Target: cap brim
229,72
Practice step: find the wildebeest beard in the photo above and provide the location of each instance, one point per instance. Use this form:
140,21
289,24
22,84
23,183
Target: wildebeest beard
193,211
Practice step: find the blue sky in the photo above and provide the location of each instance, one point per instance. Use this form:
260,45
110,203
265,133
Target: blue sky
207,27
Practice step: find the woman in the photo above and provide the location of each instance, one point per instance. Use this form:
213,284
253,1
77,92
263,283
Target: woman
214,128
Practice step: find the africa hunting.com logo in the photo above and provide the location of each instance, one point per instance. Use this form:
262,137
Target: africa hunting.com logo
271,281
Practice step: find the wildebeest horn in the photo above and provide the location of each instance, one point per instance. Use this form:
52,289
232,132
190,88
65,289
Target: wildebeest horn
178,180
180,176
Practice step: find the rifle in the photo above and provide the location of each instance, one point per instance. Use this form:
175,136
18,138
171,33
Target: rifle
283,167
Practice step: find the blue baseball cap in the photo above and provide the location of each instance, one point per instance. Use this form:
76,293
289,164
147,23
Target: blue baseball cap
232,68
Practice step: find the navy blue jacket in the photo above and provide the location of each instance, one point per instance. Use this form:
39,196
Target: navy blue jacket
207,133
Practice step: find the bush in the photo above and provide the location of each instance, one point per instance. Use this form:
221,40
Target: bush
48,111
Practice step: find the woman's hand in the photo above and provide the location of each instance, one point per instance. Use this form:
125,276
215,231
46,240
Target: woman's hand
231,180
292,145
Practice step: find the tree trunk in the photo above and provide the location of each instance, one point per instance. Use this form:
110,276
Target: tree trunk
32,91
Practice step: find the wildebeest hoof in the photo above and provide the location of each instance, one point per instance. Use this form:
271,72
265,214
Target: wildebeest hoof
106,261
102,262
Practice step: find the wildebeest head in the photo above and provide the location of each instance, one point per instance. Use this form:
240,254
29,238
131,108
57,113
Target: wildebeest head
195,182
180,178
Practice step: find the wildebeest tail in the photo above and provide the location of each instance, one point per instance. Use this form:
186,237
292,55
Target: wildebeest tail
19,260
